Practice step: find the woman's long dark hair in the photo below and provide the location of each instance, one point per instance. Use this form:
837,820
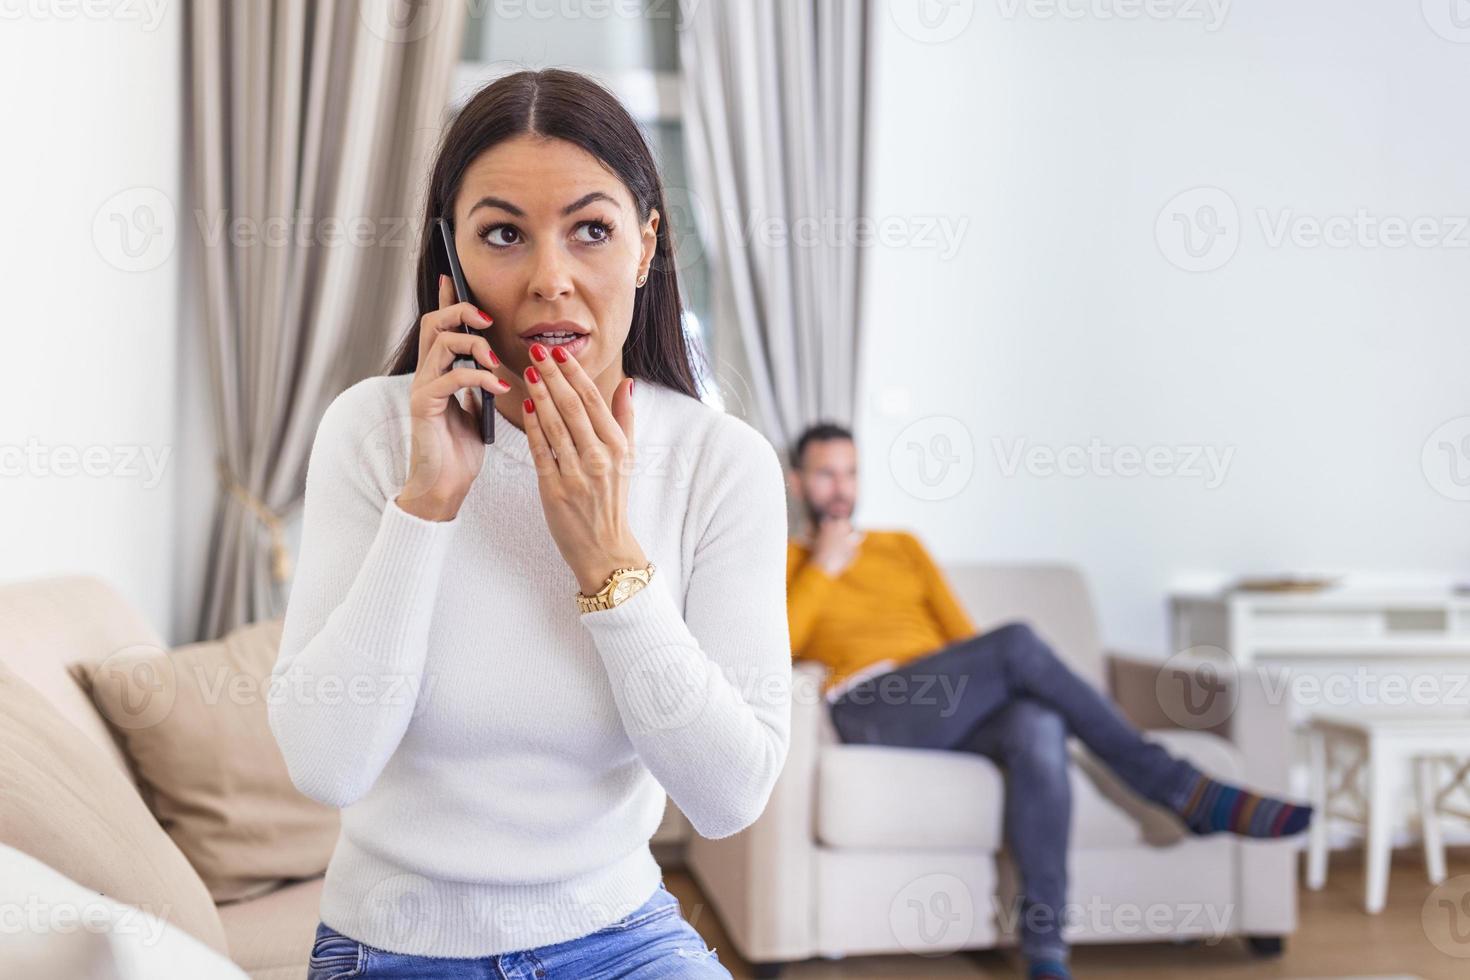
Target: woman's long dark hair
573,107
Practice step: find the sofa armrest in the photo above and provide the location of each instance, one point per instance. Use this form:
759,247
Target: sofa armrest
1204,694
761,881
1248,708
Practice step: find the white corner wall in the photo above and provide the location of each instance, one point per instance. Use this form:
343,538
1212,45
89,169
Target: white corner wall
1048,140
89,183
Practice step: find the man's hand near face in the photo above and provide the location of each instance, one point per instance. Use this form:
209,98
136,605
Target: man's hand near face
834,545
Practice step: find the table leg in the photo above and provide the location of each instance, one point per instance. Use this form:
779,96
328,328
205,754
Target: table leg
1383,787
1426,775
1317,830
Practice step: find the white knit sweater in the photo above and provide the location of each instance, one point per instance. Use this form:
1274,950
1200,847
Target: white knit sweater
501,758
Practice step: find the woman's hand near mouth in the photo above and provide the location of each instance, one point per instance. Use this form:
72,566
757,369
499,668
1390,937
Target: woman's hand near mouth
448,451
583,453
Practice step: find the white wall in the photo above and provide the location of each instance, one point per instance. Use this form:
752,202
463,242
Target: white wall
88,293
1054,142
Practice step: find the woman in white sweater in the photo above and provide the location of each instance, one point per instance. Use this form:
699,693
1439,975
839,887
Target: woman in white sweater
501,755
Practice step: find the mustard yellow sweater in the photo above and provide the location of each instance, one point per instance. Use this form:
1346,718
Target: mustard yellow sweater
892,602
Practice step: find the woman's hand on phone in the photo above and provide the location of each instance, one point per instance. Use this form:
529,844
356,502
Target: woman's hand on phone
448,451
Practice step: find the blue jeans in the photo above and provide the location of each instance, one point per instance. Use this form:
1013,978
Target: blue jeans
650,942
1006,695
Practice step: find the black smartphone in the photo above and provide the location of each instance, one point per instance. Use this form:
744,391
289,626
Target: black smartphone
462,294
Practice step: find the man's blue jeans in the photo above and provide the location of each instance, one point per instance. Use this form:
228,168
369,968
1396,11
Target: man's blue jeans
651,942
1007,695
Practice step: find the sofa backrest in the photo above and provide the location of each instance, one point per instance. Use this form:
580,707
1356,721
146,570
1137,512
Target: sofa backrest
49,622
1054,599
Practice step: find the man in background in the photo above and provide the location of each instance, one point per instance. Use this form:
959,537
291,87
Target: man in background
874,608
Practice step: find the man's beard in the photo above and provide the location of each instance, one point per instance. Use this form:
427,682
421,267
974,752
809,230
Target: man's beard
819,514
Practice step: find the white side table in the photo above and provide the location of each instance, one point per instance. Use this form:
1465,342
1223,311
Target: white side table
1365,758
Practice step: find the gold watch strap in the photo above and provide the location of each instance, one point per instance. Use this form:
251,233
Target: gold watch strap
603,598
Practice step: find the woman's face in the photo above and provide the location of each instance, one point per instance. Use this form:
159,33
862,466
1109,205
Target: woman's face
547,235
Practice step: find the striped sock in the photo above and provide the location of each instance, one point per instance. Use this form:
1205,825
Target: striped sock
1047,970
1209,807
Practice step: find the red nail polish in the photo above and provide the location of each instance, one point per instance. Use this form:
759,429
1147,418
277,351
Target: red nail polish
483,315
538,352
529,406
560,353
493,359
532,375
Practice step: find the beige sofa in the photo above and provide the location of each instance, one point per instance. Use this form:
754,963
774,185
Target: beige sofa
46,624
868,849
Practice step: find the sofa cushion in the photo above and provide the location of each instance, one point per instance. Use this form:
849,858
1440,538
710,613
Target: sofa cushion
878,796
71,931
48,623
271,935
68,806
891,797
192,722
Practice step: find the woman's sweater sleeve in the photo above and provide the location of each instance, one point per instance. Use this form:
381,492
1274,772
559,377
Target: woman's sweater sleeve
355,635
705,694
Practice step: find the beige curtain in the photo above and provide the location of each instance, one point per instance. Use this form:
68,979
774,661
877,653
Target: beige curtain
774,109
311,127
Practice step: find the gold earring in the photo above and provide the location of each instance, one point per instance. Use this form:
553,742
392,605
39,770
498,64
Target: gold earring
642,278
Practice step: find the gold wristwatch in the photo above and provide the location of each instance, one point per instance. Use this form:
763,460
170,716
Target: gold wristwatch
621,584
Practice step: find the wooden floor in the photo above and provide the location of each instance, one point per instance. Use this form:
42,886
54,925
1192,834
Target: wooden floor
1336,938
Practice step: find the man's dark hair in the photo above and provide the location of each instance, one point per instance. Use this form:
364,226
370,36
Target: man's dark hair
819,432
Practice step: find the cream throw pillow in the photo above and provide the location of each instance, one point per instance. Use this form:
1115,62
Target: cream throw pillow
192,723
66,804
